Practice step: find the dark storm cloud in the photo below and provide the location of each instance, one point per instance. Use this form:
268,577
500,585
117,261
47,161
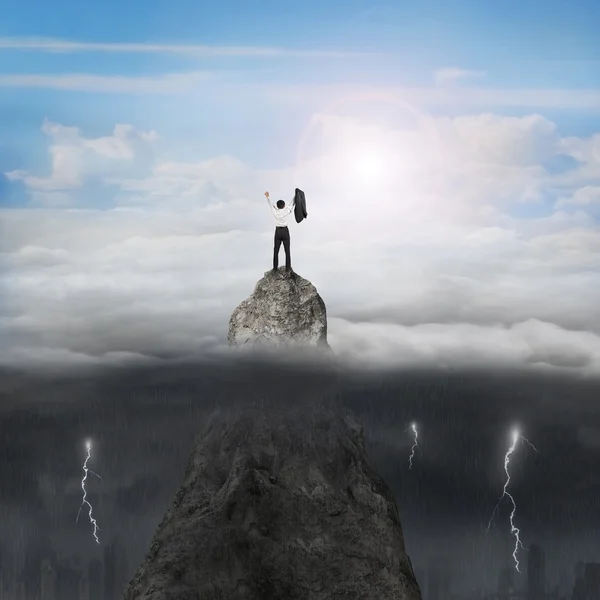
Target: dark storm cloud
143,422
142,415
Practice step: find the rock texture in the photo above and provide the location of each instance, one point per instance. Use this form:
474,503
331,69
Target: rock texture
285,310
279,505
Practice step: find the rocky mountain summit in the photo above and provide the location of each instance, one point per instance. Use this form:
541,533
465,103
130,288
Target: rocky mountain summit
279,504
284,310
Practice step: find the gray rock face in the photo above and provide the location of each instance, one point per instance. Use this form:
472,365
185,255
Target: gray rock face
279,504
285,310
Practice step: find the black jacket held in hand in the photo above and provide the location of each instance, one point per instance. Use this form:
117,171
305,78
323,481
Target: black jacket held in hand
300,206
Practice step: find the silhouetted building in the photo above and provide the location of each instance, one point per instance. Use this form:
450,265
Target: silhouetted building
438,582
433,586
95,588
8,580
536,573
67,582
437,585
84,587
554,594
115,571
20,591
565,584
506,583
32,573
48,580
421,580
591,580
579,585
578,590
3,579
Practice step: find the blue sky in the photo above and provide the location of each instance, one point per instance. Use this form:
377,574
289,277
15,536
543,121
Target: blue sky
533,45
514,39
452,30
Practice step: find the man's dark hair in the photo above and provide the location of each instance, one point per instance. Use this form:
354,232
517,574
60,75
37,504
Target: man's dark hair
280,203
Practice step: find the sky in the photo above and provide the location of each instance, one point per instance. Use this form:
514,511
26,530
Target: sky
449,155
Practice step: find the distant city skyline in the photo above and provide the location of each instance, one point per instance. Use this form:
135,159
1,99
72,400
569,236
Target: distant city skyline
42,574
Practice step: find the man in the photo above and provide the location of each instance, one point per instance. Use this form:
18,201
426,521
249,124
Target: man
282,233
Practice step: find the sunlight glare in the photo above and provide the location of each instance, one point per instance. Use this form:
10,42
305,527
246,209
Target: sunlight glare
369,167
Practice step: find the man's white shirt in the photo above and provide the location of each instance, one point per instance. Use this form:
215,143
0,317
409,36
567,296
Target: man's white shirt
281,214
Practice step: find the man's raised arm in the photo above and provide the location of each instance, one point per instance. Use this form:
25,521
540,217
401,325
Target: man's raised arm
271,205
290,207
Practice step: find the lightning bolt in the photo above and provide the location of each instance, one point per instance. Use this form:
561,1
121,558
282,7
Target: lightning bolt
515,531
86,470
414,446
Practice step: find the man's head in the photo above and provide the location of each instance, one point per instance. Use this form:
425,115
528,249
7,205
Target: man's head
280,203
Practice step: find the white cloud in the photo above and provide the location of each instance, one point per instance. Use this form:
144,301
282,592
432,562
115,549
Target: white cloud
584,150
585,196
532,343
67,46
215,83
75,158
422,267
465,168
568,99
154,284
453,74
113,84
522,141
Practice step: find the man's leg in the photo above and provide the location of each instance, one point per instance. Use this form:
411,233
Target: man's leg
276,246
286,247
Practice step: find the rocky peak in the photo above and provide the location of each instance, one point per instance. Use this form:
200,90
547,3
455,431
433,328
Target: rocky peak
284,310
279,504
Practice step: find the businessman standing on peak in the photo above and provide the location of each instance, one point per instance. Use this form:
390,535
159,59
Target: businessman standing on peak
282,233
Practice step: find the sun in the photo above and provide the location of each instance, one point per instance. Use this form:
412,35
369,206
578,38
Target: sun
369,167
364,163
371,142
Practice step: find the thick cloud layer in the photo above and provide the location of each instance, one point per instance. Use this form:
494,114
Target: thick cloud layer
434,241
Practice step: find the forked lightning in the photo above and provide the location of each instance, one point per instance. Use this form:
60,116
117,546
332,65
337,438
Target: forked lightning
414,446
86,470
515,531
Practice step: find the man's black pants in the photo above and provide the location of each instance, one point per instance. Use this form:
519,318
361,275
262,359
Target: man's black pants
282,234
